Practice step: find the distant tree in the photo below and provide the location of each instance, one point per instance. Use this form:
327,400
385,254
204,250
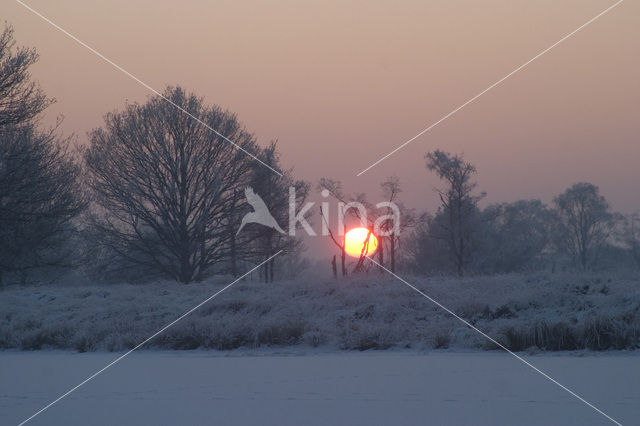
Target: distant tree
21,100
39,192
458,204
349,208
631,236
514,236
39,199
166,187
334,188
428,252
585,222
275,192
391,190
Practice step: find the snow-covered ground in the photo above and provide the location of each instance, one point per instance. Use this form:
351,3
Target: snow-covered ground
276,358
372,388
543,311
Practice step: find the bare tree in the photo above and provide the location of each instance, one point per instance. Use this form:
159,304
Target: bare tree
585,221
407,219
335,189
350,209
514,236
275,192
39,199
39,191
631,236
458,203
390,189
21,100
165,186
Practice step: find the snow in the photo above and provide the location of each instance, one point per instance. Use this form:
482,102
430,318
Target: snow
344,388
369,312
281,362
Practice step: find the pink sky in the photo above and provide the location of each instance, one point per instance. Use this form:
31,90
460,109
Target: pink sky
340,84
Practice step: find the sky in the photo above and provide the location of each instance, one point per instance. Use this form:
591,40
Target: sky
341,83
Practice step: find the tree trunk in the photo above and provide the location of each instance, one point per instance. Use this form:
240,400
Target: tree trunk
584,254
381,254
334,268
203,254
185,269
271,264
392,249
232,244
460,239
234,261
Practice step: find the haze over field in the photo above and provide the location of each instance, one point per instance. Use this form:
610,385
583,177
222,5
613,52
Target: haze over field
342,83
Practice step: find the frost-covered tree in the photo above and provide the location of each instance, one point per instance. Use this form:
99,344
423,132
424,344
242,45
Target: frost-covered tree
458,209
631,236
275,192
39,191
393,232
39,198
514,236
21,99
166,187
585,222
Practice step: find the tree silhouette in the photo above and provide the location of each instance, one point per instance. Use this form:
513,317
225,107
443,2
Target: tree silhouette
39,191
166,187
585,221
458,203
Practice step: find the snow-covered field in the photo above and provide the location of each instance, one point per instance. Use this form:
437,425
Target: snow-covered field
373,388
274,354
533,312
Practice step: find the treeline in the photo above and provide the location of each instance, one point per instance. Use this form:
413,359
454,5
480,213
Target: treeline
156,192
578,231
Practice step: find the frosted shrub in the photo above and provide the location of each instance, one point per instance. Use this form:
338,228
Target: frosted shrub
369,312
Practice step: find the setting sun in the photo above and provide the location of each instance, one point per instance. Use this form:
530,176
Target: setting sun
355,239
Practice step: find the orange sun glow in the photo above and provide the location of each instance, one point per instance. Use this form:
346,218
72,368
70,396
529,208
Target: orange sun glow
355,239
